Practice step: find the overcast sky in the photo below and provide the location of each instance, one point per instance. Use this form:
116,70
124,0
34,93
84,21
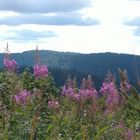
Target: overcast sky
86,26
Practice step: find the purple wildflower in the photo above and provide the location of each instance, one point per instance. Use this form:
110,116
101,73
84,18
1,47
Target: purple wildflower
87,83
125,87
110,92
87,94
70,93
22,97
129,134
75,97
112,99
108,88
10,64
67,91
40,71
53,104
87,90
112,103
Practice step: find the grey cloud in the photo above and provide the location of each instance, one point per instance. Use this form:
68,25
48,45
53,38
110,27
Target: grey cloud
58,19
43,6
135,22
27,35
32,12
137,31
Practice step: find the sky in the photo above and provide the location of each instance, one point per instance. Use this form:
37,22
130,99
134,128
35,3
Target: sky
85,26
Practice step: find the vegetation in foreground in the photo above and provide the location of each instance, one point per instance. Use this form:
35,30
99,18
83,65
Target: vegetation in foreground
32,108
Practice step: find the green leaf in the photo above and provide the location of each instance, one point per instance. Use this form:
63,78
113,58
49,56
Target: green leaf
100,132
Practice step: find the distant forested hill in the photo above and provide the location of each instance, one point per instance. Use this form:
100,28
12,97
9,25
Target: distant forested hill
62,63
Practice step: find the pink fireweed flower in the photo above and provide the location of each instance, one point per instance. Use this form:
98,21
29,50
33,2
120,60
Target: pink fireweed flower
112,102
87,90
87,94
22,97
87,83
110,92
40,71
108,85
84,94
125,87
108,88
113,99
70,93
53,104
128,134
67,91
10,64
75,97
